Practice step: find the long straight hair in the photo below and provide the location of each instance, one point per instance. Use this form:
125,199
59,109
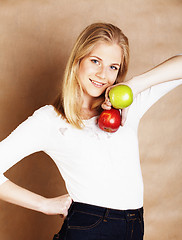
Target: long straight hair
69,101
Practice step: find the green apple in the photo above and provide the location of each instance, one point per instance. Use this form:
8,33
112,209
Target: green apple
121,96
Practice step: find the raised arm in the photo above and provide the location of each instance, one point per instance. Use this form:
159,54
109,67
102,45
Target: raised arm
169,70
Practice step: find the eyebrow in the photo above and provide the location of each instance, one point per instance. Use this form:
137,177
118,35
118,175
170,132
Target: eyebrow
101,60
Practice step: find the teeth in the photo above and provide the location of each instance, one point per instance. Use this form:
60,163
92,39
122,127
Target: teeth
96,83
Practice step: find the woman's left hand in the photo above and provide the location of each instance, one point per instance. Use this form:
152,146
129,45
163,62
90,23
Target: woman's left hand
57,205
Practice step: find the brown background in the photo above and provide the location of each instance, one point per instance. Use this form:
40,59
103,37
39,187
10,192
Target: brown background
35,40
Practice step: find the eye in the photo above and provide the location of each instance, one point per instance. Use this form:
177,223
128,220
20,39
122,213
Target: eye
114,68
95,61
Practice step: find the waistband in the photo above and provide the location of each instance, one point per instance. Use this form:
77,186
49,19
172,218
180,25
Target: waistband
107,212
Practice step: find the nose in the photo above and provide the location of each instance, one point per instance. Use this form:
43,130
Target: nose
101,72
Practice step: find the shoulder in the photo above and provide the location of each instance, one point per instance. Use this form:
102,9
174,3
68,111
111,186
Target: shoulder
48,115
47,111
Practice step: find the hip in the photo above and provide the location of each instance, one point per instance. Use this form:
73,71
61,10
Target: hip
85,221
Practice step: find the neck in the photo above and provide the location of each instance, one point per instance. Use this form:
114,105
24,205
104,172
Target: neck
87,110
87,102
88,113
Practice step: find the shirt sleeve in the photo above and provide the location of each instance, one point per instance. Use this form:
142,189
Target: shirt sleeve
150,96
29,137
146,99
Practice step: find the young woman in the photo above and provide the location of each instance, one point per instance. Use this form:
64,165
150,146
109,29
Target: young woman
101,170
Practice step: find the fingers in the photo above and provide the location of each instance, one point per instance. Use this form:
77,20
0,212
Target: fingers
124,113
106,105
107,93
64,203
64,212
67,205
68,202
58,205
68,199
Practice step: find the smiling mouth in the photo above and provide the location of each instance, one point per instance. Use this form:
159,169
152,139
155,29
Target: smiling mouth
97,84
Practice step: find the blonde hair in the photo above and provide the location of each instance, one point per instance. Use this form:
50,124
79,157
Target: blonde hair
69,101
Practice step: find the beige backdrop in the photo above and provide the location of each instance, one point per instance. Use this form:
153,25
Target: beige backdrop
35,40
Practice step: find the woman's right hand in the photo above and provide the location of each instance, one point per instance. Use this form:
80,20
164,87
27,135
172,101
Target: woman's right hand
106,105
58,205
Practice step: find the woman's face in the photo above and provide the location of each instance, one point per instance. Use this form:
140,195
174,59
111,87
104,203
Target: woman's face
99,69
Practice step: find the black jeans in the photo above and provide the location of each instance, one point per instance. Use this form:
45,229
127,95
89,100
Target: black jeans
89,222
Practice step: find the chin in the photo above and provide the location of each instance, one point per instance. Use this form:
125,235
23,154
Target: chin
96,93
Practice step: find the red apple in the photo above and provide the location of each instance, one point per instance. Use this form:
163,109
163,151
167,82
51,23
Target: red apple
110,120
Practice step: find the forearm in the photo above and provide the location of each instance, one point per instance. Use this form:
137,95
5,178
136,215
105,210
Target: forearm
169,70
12,193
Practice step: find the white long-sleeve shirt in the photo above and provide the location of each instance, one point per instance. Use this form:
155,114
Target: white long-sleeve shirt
98,168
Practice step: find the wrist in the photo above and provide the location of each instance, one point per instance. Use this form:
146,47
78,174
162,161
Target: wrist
134,84
42,205
138,84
